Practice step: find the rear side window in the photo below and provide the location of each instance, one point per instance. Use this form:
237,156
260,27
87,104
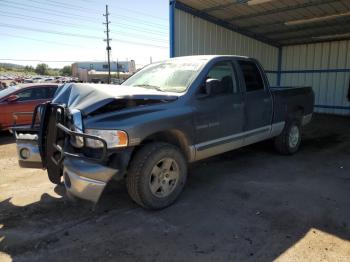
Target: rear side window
252,76
51,91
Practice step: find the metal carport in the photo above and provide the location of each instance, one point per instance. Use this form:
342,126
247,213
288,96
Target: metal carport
299,42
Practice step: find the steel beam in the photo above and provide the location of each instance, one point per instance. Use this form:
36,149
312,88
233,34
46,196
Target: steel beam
282,9
223,6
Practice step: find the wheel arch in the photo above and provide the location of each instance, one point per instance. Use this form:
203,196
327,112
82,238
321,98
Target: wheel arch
296,113
174,137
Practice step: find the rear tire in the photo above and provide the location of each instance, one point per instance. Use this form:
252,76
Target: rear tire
157,175
288,142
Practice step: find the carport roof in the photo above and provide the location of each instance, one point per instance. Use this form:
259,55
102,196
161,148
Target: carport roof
277,22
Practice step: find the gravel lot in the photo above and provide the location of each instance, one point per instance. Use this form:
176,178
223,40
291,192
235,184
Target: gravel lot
247,205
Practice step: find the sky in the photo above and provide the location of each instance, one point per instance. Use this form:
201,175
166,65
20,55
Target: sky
73,30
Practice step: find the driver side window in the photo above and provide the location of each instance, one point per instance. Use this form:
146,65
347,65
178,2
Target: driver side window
223,71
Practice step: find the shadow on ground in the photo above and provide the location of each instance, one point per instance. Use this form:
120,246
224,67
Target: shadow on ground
6,138
247,205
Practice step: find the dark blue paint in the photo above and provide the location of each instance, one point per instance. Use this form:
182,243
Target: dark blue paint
172,27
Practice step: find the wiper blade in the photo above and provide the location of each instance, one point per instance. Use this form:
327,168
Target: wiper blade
151,87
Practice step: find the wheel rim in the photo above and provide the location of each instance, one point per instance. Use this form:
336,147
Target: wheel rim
164,177
294,136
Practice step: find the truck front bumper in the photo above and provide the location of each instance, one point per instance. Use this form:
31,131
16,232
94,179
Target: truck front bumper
84,176
28,150
86,180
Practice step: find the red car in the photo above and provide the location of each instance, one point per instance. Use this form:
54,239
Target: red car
23,98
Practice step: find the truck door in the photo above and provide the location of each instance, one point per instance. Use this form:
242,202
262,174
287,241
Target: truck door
258,102
28,99
219,118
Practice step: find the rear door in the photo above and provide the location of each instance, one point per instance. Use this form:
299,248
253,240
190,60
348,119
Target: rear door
219,118
29,98
258,101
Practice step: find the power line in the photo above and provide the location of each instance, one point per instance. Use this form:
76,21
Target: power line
74,18
69,34
94,30
38,60
39,20
140,21
45,9
65,5
91,10
71,15
48,31
141,13
52,13
40,40
55,22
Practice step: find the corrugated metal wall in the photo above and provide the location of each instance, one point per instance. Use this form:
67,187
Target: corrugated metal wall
196,36
325,67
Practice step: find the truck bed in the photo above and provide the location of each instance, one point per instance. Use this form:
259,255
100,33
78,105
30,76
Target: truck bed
291,99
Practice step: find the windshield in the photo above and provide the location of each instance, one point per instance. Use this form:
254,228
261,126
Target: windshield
169,76
8,91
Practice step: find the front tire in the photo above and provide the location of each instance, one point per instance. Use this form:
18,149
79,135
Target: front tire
157,175
288,142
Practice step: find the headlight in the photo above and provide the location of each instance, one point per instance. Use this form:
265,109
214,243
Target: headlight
113,138
77,122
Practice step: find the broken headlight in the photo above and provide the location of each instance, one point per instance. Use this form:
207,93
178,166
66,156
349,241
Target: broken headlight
76,126
113,138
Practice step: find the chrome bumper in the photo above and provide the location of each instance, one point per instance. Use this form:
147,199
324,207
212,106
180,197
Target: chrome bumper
28,151
86,180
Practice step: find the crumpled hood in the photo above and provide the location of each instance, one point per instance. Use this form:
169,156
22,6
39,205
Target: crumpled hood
90,97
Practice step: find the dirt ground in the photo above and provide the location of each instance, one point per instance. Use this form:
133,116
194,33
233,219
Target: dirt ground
247,205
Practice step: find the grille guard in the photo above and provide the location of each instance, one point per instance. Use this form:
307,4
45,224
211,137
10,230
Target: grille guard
61,117
61,113
69,132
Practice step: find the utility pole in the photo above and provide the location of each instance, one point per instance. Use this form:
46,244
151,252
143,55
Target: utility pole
118,71
108,48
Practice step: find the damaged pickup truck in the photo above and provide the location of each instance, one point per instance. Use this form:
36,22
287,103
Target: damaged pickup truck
165,116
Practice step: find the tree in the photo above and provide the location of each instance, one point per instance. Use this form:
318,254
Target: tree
42,69
66,70
28,69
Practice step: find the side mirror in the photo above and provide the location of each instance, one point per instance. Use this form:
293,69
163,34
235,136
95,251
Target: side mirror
12,98
213,86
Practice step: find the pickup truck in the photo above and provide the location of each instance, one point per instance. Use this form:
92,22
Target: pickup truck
165,116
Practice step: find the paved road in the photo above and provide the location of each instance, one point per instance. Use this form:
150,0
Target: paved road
247,205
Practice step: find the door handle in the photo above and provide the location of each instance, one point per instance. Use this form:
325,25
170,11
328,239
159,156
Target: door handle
240,105
266,100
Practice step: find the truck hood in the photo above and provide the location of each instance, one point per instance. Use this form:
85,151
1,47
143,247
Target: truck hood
91,97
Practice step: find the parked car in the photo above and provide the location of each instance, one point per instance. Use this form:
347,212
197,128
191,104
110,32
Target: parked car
165,116
22,98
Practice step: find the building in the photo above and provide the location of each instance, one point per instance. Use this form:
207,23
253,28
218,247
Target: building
299,43
121,67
